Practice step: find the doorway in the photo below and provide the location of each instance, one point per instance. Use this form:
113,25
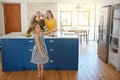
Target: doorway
12,18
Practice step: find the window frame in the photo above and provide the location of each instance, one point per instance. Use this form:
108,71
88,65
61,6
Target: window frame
77,18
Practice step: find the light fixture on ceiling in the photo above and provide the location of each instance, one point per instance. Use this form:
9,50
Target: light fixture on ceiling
78,7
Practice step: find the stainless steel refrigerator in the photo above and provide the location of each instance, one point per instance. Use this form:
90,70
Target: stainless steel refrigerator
104,32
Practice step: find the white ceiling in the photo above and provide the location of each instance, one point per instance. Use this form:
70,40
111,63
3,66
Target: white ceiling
68,1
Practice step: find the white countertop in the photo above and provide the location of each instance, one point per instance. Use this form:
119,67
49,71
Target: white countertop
19,35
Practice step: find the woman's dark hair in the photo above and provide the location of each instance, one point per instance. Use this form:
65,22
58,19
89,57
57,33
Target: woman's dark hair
50,14
31,28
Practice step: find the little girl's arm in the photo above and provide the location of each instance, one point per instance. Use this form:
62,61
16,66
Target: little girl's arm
38,46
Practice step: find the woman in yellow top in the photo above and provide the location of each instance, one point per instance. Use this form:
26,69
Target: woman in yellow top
50,22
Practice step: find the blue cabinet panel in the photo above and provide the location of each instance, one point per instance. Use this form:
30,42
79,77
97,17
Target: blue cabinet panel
12,54
0,43
28,45
68,56
51,45
63,54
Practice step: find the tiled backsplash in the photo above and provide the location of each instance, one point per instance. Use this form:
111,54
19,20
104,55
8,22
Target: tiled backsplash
40,6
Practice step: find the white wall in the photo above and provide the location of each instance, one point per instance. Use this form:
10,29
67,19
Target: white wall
1,21
58,1
24,16
24,7
110,2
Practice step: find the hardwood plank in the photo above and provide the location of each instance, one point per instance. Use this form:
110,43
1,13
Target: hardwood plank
73,75
19,75
29,75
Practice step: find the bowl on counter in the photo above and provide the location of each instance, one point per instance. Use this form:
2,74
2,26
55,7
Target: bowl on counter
27,35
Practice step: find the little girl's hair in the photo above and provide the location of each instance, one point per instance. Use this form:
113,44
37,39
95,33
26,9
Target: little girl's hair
31,28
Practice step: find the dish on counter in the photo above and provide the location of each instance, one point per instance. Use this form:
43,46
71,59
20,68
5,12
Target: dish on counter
52,35
27,35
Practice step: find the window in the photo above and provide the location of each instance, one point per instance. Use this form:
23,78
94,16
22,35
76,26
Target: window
80,17
83,18
70,16
65,18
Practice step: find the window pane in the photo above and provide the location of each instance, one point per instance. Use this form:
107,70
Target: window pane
63,7
74,19
80,18
65,18
69,7
83,18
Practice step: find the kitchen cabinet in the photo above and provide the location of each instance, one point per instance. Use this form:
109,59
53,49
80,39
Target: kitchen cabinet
27,53
51,45
12,54
63,54
69,54
17,51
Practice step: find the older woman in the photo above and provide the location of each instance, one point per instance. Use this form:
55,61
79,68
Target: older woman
38,19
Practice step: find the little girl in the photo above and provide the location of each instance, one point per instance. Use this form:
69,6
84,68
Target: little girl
39,54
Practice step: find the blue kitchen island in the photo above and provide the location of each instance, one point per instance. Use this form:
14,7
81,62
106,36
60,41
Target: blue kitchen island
17,50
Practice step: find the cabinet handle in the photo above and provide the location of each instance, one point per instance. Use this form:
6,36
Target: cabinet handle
51,61
30,40
51,49
31,50
51,41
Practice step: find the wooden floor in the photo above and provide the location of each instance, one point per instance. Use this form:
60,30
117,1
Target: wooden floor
90,68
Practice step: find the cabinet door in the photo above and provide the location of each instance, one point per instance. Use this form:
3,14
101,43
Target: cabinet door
67,54
28,45
12,55
63,52
51,47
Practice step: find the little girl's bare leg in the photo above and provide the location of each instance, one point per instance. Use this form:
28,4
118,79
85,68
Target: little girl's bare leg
42,71
39,70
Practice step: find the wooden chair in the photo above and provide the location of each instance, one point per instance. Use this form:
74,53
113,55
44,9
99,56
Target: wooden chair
83,34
